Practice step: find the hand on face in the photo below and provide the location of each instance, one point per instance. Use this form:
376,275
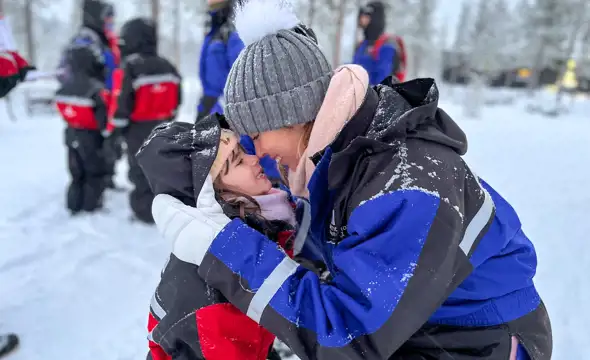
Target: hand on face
284,145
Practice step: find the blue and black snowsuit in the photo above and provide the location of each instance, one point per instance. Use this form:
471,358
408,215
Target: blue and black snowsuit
379,66
426,260
93,34
221,47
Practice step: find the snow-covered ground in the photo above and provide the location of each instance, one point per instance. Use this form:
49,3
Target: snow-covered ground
79,288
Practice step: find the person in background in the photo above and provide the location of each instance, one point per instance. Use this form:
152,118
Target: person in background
381,54
97,33
82,102
221,47
13,68
151,93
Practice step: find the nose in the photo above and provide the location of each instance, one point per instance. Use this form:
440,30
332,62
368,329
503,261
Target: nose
252,160
258,149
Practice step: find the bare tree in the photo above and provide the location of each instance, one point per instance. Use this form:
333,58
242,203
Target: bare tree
155,12
580,11
548,19
456,58
341,12
311,10
176,31
420,38
30,31
337,9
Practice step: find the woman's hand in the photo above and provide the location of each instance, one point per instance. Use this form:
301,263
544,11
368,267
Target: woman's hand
190,230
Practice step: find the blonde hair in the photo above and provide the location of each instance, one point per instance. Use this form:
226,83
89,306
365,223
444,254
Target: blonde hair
304,140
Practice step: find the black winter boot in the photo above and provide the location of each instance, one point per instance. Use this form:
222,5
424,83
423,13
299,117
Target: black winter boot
8,343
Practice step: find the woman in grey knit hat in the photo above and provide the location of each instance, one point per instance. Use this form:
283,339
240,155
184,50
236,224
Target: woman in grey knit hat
425,259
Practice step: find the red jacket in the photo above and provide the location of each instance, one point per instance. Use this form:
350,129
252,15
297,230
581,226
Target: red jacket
189,320
13,68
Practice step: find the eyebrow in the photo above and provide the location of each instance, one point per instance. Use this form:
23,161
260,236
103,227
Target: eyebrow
235,154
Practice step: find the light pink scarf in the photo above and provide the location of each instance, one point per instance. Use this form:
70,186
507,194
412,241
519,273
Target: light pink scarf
276,206
345,95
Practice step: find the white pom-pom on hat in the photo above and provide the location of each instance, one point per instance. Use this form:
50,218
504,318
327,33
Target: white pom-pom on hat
255,19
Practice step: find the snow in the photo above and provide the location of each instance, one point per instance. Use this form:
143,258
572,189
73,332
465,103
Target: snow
82,286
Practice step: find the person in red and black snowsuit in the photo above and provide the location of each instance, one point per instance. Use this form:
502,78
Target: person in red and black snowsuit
81,101
188,319
151,94
97,33
13,68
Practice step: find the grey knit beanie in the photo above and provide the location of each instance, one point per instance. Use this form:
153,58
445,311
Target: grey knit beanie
281,77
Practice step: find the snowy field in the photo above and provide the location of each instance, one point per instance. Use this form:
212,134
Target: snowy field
79,288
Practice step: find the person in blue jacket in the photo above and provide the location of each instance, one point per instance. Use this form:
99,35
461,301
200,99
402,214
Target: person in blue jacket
380,63
425,259
220,49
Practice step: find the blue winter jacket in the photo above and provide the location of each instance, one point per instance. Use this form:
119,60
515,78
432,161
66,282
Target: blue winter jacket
412,239
220,49
378,68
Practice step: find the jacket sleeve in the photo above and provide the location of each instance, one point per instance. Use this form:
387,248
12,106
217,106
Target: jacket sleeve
384,66
155,350
101,111
9,73
234,47
397,264
189,320
126,99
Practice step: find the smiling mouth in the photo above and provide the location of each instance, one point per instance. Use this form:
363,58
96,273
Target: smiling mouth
261,174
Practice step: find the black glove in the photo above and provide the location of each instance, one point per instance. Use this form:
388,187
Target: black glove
7,84
112,148
23,72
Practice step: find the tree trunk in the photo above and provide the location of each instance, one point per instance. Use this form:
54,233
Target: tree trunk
29,26
536,71
176,35
358,4
312,7
156,12
339,29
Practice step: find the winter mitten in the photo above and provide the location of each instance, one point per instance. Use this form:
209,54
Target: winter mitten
190,230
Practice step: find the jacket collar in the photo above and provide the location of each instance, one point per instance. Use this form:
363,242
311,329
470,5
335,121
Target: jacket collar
356,126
